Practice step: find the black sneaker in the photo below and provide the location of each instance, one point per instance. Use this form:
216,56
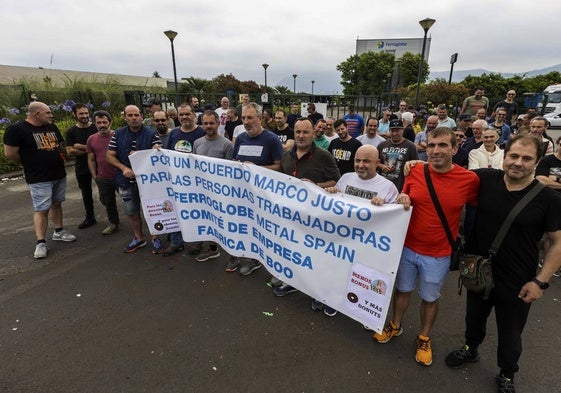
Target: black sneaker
88,222
284,290
461,356
505,385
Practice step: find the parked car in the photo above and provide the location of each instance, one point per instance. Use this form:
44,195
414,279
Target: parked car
554,119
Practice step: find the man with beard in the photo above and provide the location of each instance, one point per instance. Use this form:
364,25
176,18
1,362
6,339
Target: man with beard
260,147
35,143
232,122
443,119
344,147
319,131
213,144
371,137
394,153
517,280
101,171
283,131
160,123
76,138
477,101
182,139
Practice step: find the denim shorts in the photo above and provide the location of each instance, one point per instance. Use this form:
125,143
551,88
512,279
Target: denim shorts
46,193
431,272
131,199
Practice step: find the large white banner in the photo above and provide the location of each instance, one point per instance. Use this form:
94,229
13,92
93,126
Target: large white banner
337,248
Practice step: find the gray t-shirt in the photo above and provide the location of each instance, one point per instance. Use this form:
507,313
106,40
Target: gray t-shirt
217,148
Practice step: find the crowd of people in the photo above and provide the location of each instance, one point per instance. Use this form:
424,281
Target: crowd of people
486,159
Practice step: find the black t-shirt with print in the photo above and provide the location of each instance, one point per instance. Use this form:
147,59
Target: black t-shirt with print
39,149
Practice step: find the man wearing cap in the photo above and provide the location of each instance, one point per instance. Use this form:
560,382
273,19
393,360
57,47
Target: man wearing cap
355,122
394,153
464,122
153,106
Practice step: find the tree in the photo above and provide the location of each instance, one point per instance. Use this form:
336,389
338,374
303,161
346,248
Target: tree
156,74
365,73
196,85
409,68
282,90
224,83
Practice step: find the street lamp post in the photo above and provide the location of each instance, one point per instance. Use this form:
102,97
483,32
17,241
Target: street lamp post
313,87
265,66
294,89
426,24
171,35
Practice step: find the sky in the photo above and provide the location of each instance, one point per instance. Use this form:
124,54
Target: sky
305,38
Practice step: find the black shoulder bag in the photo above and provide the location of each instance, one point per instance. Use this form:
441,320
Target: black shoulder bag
475,270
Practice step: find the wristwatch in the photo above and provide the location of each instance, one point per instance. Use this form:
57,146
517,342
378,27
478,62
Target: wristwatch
543,285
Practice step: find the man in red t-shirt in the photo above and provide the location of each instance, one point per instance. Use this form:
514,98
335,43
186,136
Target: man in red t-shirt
426,254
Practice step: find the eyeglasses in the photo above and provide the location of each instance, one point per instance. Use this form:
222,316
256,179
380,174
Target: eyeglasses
160,120
459,136
511,94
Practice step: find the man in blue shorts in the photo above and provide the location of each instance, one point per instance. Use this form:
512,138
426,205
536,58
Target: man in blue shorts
35,143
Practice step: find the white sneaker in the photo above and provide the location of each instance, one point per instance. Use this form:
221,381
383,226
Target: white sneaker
64,236
40,251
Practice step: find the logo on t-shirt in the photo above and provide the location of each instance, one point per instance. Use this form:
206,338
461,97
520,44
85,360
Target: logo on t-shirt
183,146
45,140
359,192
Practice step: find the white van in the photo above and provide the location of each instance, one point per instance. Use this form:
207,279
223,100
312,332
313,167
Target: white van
553,93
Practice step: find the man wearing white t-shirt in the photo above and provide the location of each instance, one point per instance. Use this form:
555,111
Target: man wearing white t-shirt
370,136
364,181
222,113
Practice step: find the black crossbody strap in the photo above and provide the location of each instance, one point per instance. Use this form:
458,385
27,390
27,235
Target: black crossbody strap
438,207
504,227
512,215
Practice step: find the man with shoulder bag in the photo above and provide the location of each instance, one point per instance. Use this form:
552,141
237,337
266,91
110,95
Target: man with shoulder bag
514,261
425,260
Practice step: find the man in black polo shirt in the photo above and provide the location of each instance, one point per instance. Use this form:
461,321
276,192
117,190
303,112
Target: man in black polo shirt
310,163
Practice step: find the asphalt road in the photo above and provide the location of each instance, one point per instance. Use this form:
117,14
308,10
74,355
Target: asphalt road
91,318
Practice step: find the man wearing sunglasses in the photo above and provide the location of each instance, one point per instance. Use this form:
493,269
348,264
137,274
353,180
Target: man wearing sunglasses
160,123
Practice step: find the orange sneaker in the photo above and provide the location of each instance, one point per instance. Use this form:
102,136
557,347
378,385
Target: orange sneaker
424,351
391,330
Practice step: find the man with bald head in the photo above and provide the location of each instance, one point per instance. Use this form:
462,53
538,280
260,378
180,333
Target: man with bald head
126,141
421,139
35,143
364,181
